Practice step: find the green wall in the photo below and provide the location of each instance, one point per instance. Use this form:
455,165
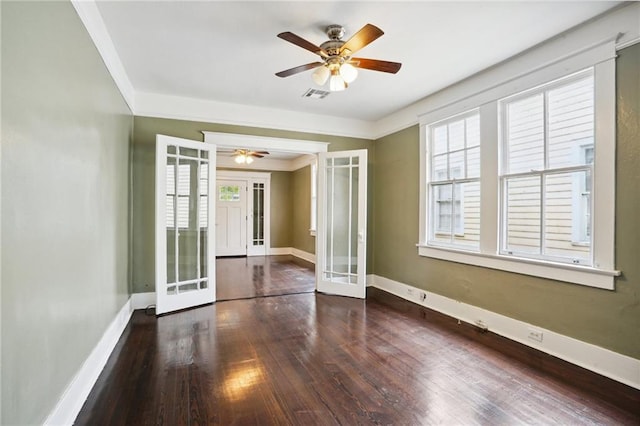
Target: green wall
609,319
65,187
302,239
281,209
143,189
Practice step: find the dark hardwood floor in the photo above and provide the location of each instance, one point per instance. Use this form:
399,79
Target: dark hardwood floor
259,276
308,359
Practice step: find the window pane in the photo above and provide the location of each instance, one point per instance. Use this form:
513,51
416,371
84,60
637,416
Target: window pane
456,135
456,165
523,213
473,162
229,193
467,232
441,212
439,168
440,140
571,122
473,131
567,213
525,134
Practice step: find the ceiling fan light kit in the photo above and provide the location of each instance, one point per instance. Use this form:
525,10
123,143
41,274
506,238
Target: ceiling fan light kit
338,66
246,156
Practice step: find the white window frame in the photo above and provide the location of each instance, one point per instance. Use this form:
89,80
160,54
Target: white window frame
602,273
580,233
546,170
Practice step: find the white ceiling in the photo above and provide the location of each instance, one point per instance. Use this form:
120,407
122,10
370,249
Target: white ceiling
228,51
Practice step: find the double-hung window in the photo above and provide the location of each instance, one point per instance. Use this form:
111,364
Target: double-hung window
521,176
454,182
545,186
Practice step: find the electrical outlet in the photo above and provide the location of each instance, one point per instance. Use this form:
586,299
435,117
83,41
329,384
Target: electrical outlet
535,335
482,325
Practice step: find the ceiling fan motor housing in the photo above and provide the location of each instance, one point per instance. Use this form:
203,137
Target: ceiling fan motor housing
335,32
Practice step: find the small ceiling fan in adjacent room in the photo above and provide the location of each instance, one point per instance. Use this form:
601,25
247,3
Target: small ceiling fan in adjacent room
338,66
246,156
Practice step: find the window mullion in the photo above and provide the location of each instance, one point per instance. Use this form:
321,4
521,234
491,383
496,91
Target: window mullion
489,182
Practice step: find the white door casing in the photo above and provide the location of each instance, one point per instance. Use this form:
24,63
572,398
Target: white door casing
342,223
185,214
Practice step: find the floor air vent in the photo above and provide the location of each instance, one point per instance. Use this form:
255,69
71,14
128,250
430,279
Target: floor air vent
315,94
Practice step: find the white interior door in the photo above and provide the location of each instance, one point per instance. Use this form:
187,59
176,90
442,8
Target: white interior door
185,252
342,223
231,218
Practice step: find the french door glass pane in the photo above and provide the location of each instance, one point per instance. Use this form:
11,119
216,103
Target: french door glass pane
258,214
353,247
187,220
203,215
523,214
342,221
171,213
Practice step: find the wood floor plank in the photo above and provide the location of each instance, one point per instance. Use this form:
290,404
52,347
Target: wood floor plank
260,276
308,359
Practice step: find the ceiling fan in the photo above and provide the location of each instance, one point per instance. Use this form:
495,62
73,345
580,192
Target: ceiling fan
242,156
338,66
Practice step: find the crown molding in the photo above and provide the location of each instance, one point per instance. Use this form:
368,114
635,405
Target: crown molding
90,16
182,108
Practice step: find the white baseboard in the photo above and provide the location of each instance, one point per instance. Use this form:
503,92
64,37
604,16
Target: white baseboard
74,396
309,257
142,300
278,251
619,367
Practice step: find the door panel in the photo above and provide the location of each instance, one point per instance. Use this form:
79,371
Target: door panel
231,224
185,267
342,223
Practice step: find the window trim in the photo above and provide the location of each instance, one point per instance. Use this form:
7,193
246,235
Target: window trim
602,274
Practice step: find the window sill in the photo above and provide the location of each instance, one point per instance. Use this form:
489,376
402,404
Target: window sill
588,276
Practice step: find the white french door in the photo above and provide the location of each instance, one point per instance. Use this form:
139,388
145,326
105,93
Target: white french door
185,214
342,223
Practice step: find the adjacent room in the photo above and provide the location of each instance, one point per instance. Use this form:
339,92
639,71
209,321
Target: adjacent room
296,212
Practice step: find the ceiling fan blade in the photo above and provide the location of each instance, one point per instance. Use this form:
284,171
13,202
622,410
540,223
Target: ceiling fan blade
366,35
257,155
261,152
301,68
299,41
376,65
